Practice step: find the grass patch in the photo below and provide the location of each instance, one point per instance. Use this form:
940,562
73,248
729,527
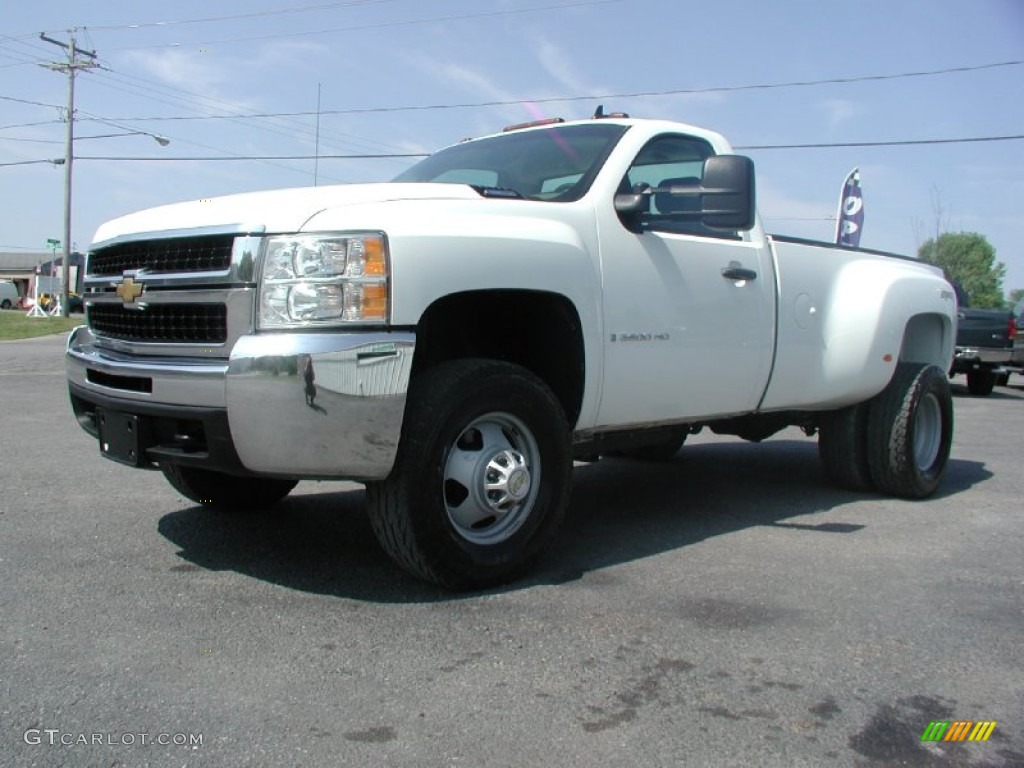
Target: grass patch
14,325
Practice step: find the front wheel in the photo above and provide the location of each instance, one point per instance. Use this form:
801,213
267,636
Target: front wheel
482,477
910,432
218,489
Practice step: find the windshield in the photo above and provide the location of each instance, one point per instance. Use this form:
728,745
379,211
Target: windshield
556,164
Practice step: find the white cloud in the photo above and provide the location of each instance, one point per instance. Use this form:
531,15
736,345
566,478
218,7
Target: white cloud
839,111
188,69
482,87
291,51
207,77
559,67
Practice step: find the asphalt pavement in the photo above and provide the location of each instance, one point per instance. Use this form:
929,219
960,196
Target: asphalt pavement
727,608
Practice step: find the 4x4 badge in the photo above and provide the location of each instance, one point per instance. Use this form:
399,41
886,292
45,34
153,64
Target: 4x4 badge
128,290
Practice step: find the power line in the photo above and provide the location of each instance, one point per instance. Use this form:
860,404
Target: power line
914,142
34,141
17,62
901,143
27,101
29,125
289,130
255,14
598,97
379,25
231,155
382,156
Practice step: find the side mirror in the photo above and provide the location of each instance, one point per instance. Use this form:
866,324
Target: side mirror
727,193
723,199
633,202
633,207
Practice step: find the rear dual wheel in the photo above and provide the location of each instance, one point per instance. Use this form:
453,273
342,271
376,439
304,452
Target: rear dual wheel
842,445
898,442
910,432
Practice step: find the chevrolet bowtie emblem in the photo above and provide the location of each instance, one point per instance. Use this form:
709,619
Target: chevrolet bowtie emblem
128,290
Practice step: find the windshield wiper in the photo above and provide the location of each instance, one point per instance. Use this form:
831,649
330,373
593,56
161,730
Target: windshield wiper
504,192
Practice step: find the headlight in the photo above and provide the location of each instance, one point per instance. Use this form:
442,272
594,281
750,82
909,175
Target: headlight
314,280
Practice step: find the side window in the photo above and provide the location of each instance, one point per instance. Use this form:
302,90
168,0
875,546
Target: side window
672,161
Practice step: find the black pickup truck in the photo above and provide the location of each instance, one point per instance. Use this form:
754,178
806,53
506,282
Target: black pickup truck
1018,343
984,344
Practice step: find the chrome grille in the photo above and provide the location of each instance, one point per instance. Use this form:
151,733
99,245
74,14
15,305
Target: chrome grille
162,323
206,253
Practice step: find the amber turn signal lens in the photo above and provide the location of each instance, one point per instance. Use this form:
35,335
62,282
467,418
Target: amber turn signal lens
375,302
374,255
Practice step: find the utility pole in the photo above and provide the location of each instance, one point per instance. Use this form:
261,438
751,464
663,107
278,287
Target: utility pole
70,67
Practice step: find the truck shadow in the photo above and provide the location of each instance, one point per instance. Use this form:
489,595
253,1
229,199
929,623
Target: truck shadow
999,393
625,510
621,511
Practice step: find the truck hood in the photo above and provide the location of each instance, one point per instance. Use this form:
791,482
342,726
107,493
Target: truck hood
279,210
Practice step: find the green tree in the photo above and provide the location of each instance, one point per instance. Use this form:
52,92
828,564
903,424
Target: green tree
970,260
1015,295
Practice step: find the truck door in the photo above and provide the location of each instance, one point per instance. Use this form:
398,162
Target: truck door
684,337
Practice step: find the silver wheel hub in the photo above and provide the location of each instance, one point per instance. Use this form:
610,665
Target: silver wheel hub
491,476
507,479
927,432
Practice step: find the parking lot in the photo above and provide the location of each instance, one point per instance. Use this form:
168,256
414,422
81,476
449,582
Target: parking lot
726,608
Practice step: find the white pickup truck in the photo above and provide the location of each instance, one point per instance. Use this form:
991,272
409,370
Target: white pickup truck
457,337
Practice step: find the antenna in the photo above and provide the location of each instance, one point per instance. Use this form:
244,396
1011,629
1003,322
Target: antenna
316,152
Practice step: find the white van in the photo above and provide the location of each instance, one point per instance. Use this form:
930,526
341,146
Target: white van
8,294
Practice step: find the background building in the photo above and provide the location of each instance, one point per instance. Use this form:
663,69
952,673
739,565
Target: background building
24,267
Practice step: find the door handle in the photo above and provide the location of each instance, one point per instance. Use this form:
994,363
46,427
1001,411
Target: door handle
738,273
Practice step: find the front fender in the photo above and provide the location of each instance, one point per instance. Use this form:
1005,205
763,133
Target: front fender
444,247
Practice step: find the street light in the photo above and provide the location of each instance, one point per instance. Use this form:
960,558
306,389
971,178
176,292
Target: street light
55,161
163,141
69,159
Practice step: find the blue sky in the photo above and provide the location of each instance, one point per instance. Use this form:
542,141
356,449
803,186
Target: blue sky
395,75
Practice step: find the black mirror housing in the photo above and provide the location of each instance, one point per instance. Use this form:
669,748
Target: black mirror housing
727,192
633,202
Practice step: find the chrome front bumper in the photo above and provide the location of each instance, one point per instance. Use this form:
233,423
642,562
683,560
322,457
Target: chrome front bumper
317,405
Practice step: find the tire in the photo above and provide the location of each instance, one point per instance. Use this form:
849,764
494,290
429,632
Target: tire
661,451
482,476
217,489
980,383
5,304
910,431
1003,380
842,446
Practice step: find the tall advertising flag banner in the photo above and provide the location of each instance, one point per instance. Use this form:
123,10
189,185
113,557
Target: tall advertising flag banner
850,219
